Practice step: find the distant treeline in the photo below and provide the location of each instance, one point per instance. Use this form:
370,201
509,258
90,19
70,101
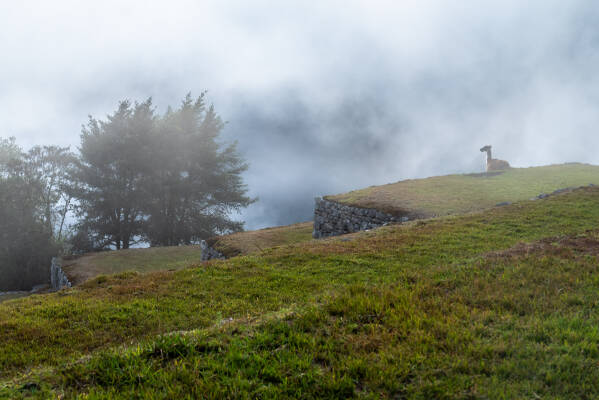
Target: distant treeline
137,177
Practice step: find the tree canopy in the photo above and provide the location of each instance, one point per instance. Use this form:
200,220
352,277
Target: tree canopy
26,243
166,180
139,177
195,182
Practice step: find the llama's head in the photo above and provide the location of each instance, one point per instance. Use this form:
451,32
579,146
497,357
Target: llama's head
486,148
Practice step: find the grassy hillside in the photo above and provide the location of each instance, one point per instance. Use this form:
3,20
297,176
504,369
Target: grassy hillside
499,304
456,194
91,265
254,241
152,259
444,195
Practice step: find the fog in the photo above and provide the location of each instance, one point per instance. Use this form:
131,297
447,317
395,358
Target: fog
323,97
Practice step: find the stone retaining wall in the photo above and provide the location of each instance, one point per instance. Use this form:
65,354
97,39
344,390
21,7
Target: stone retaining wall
58,279
208,253
332,218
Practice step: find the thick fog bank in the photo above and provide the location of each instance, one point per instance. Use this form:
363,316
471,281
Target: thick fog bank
323,97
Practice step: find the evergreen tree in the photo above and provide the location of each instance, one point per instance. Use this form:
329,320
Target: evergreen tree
165,180
113,165
195,182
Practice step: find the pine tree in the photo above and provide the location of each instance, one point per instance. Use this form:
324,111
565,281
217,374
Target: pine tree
112,166
165,180
196,181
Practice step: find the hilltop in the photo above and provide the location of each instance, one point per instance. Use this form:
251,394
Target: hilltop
458,194
494,304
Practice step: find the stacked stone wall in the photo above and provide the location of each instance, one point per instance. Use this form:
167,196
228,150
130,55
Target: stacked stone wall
58,279
209,253
332,218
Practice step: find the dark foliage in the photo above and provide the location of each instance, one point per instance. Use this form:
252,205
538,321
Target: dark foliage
110,172
166,180
26,244
161,179
195,182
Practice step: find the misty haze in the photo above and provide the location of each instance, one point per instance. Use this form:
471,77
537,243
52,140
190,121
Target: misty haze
322,99
337,199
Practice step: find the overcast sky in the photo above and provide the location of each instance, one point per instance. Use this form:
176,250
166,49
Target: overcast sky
323,96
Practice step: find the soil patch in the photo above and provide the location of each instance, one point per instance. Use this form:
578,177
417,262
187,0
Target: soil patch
565,246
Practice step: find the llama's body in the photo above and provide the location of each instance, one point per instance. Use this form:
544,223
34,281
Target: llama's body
494,164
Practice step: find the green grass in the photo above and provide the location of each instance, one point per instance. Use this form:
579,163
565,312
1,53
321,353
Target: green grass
448,308
139,260
456,194
444,195
12,295
152,259
249,242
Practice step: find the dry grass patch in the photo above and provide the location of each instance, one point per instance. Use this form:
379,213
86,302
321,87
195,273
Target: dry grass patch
248,242
570,246
82,269
151,259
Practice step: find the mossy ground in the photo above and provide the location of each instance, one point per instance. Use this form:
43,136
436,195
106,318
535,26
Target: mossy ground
455,307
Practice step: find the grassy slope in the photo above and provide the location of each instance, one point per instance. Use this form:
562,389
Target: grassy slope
456,194
152,259
433,309
452,194
141,260
254,241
